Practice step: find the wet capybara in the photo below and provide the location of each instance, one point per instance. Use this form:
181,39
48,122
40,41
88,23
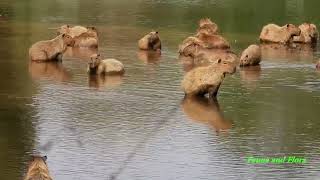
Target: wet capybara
309,34
207,27
251,56
206,80
106,66
275,34
151,41
71,31
87,39
38,169
50,50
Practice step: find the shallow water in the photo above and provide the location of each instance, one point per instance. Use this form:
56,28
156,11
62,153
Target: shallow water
140,126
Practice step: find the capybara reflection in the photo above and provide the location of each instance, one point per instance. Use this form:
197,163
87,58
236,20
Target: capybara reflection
251,56
276,34
206,111
38,169
151,41
99,82
309,34
250,76
50,70
50,50
149,56
206,80
104,67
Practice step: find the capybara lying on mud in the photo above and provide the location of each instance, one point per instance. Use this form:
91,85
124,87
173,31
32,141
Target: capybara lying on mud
275,34
50,50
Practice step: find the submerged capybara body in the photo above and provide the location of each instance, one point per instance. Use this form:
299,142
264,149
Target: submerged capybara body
38,169
105,66
309,34
251,56
151,41
206,80
275,34
50,50
206,26
87,39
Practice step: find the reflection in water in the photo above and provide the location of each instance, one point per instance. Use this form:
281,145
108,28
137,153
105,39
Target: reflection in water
101,81
80,53
297,52
250,75
206,111
51,70
149,56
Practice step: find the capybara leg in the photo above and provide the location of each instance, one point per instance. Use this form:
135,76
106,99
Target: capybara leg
39,56
157,46
59,57
213,92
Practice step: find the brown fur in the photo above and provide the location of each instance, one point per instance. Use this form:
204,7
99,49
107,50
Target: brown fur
208,56
207,27
50,50
309,34
71,31
276,34
202,80
251,56
150,41
38,169
106,66
206,111
87,39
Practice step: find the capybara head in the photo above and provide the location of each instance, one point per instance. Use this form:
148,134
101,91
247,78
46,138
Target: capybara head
92,31
63,29
38,160
94,61
207,27
153,37
293,30
310,30
68,40
226,67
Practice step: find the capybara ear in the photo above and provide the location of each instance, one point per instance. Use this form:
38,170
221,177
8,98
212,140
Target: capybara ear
287,25
44,158
157,32
68,26
63,35
219,60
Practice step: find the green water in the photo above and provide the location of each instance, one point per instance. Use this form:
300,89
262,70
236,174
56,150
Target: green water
139,126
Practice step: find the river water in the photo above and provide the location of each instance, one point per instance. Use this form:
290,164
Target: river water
139,126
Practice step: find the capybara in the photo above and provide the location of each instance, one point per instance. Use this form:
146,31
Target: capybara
50,50
150,41
251,56
276,34
38,169
318,65
87,39
105,66
206,26
71,31
206,111
206,80
214,41
309,34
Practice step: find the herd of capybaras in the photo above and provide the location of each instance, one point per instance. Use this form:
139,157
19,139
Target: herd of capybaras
207,49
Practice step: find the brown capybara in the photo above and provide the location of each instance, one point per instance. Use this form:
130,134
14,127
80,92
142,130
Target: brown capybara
209,56
38,169
214,41
87,39
251,56
71,31
309,34
318,65
150,41
275,34
206,80
50,70
50,50
80,53
206,111
207,27
105,66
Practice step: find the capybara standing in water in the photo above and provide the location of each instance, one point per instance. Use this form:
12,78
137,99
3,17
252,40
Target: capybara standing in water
206,26
38,169
71,31
276,34
251,56
309,34
50,50
150,41
206,80
105,66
